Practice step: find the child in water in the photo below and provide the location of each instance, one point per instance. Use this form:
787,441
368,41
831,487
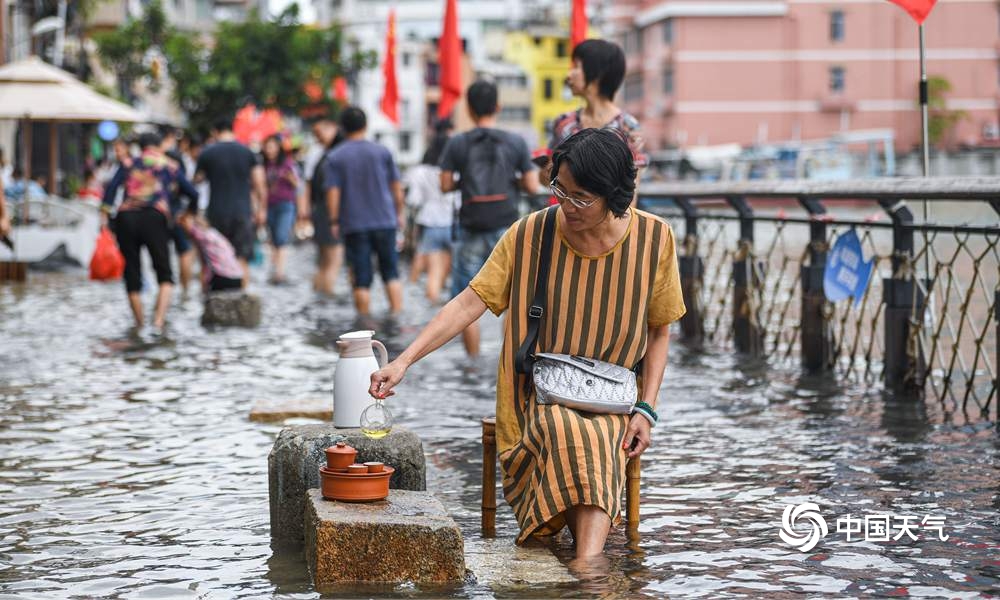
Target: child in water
220,269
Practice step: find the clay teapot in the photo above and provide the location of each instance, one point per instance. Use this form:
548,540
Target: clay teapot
340,456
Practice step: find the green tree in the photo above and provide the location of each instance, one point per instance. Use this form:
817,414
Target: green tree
940,120
268,63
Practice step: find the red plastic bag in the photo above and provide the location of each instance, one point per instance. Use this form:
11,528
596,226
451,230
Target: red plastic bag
107,263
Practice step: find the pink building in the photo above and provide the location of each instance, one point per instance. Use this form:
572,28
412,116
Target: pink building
714,72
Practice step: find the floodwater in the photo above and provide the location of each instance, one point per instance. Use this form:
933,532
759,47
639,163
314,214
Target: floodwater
130,470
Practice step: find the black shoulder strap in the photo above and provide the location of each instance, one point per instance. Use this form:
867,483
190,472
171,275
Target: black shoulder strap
526,353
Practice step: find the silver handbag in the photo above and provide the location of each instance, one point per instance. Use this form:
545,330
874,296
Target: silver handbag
581,383
584,384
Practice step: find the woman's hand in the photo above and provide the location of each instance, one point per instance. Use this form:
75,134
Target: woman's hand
639,430
387,378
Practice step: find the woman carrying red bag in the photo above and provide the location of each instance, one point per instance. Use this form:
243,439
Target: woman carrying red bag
143,219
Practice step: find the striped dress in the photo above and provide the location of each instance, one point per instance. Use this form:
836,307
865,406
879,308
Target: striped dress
552,457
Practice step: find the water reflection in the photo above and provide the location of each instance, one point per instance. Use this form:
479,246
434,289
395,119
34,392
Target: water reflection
128,467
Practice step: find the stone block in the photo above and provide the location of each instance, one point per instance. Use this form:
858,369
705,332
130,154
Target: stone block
273,411
406,537
500,564
297,454
231,309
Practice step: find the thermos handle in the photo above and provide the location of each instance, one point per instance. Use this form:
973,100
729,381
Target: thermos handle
383,356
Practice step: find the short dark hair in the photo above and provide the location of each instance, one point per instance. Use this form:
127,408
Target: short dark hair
602,61
353,120
482,98
150,139
601,163
222,124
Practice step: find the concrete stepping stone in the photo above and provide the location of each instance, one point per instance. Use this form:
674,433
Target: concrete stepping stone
231,309
499,563
274,411
406,537
297,454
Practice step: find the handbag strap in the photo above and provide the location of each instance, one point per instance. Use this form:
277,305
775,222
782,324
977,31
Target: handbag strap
526,353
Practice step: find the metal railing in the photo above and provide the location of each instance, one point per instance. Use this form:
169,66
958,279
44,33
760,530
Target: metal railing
927,324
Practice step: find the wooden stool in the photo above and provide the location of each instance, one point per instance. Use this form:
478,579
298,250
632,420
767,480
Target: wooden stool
13,271
489,505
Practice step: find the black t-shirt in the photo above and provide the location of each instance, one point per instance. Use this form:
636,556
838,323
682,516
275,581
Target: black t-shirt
227,166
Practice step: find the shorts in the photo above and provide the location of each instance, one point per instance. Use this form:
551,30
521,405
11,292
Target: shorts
280,219
359,247
238,229
471,251
219,283
435,239
321,226
143,227
182,245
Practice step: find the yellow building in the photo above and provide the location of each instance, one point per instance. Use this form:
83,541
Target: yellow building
544,56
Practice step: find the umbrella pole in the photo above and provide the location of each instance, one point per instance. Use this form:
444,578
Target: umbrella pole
27,167
53,156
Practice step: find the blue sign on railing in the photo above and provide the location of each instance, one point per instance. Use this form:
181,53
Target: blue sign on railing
847,273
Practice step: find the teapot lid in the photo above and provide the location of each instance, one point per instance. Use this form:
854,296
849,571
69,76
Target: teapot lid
341,448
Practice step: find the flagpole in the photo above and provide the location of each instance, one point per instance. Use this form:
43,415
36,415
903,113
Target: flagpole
923,109
926,141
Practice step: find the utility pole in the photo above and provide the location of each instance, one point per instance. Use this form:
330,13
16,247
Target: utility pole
3,31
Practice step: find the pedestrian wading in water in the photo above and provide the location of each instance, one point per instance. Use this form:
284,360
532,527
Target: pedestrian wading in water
612,291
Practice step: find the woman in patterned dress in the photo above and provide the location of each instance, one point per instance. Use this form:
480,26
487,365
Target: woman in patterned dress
613,291
597,72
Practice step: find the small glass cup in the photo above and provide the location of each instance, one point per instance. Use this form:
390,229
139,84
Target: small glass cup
376,420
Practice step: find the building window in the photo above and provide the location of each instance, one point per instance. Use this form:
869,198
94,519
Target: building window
406,59
548,89
668,32
668,81
837,80
515,113
633,87
633,41
561,49
432,76
837,26
632,44
405,141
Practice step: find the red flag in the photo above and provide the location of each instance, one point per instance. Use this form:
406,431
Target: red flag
390,97
578,24
340,89
450,59
918,9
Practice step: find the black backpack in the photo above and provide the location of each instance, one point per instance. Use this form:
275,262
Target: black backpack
489,182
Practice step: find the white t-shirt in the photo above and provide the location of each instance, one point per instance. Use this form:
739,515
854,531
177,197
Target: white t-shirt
434,209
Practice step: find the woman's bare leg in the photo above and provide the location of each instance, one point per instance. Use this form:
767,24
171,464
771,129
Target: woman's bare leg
590,526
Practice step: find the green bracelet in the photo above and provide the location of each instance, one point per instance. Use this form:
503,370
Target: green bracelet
647,411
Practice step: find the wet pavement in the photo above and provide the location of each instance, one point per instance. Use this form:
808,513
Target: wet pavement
129,469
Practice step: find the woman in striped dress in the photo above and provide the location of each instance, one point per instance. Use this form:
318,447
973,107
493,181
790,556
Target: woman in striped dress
613,291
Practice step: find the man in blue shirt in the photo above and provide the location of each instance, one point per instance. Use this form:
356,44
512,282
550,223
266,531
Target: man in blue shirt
365,201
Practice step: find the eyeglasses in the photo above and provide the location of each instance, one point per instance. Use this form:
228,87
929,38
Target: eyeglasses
564,197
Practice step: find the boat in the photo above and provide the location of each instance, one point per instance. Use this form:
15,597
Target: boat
57,232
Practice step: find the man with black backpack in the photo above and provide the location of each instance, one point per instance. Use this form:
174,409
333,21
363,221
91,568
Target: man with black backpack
491,167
